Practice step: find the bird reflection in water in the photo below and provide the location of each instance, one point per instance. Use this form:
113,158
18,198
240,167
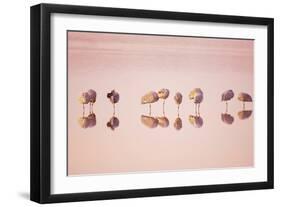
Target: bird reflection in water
163,121
226,117
244,114
149,121
197,96
87,121
196,121
178,121
113,122
153,122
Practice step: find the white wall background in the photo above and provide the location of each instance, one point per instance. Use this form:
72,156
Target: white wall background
14,93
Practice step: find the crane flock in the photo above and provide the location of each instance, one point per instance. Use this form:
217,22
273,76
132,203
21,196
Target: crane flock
196,96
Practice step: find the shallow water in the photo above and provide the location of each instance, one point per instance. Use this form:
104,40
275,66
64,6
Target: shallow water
136,64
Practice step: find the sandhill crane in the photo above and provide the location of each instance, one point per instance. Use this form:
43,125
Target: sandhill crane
163,121
114,98
149,98
227,96
227,118
245,114
197,96
92,120
84,99
178,98
87,122
244,97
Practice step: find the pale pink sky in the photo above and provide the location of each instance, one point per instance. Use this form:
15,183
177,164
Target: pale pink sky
136,64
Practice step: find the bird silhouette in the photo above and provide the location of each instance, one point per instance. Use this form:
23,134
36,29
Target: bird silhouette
149,121
197,96
244,97
227,96
149,98
196,121
244,114
163,94
92,96
178,99
114,98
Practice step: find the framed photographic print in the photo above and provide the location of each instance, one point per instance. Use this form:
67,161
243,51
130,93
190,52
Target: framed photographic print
133,103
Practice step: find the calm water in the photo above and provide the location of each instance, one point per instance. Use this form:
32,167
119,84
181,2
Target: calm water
134,65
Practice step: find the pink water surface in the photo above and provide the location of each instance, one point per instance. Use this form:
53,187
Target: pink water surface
136,64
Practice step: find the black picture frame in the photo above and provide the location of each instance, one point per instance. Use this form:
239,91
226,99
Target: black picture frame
40,176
